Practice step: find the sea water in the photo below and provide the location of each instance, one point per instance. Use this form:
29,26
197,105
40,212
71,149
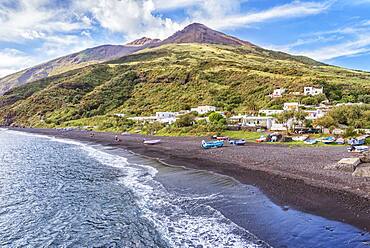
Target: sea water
63,193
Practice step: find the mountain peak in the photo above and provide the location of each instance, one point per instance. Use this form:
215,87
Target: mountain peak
200,33
196,25
143,41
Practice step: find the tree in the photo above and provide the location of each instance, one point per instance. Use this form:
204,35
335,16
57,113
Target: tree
350,132
300,116
285,116
152,128
364,98
185,120
326,121
215,117
309,101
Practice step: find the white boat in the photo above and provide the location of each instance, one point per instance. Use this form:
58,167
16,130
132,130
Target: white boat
152,142
310,141
300,138
358,149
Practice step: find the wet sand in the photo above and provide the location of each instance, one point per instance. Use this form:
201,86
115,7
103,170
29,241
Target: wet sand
290,176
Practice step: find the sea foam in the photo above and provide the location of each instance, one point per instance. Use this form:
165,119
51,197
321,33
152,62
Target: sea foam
183,220
169,212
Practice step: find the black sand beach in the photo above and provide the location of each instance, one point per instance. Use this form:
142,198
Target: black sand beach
290,176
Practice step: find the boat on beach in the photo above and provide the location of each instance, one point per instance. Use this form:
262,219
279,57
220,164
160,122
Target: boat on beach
212,144
300,138
152,142
240,142
359,141
328,140
310,141
340,141
358,149
261,139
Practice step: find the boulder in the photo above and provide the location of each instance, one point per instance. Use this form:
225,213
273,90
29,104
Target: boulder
362,170
345,164
365,159
348,164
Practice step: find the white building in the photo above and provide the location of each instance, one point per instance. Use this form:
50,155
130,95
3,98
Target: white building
349,104
166,117
278,92
312,91
203,109
314,114
149,119
291,106
253,121
278,127
270,112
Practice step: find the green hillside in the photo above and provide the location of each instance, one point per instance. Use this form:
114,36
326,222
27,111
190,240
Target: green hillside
174,77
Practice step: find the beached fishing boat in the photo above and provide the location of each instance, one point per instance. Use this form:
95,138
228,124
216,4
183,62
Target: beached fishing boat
340,141
151,142
212,144
261,139
300,138
359,141
310,141
240,142
328,140
358,149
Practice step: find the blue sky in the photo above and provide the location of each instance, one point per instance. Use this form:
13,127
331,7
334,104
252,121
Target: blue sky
332,31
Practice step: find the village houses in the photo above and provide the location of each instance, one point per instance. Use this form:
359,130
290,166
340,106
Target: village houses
203,109
270,112
312,91
291,106
307,91
278,93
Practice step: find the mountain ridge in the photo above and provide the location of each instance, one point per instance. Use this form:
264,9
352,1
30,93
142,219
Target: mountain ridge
193,33
174,77
199,33
143,41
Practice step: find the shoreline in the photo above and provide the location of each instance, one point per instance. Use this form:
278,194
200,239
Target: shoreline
312,189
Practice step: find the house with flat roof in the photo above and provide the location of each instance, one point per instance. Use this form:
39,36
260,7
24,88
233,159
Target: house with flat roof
312,91
270,112
278,93
314,114
291,106
203,109
166,117
253,121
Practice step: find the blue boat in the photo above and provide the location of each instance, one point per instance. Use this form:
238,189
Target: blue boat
212,144
328,140
240,142
310,141
359,149
356,142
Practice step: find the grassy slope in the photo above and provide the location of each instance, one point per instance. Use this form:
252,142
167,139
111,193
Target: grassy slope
173,77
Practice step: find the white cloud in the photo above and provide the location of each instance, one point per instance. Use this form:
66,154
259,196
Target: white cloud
34,19
52,30
62,29
175,4
136,18
357,46
133,18
11,60
351,40
225,20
